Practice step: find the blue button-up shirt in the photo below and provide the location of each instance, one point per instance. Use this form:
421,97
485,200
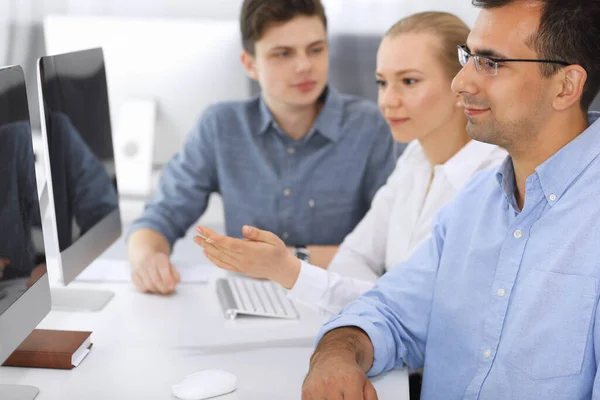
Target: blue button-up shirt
308,191
500,303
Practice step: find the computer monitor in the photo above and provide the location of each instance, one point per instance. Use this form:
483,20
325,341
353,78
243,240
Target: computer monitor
24,288
82,186
162,73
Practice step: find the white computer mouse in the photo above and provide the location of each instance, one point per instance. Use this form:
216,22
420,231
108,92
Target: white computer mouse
205,384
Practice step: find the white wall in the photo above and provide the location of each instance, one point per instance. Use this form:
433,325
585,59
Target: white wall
375,16
354,15
156,8
4,30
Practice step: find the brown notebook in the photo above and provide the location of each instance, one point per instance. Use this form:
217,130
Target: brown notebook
51,349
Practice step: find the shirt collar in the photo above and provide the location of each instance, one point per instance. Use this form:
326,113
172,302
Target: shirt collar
265,116
462,166
328,123
558,172
506,179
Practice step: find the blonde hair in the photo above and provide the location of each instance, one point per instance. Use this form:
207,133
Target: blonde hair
450,29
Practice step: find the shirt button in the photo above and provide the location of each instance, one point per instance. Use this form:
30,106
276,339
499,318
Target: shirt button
501,292
311,203
487,354
291,150
518,234
287,192
286,235
552,197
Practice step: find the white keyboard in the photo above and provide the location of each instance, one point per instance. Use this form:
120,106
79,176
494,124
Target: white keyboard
240,295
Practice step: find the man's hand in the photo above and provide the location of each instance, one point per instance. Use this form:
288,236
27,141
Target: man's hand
337,368
155,274
151,271
263,255
337,378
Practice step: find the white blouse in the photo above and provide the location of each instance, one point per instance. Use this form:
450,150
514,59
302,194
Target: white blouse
400,219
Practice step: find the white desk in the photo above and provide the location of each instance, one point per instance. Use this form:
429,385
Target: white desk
143,344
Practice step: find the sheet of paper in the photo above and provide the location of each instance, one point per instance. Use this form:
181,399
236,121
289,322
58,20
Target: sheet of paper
81,352
120,271
76,361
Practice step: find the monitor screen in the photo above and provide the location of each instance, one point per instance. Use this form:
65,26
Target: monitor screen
83,193
19,208
24,295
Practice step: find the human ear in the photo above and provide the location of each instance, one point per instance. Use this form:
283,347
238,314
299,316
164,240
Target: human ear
570,87
249,64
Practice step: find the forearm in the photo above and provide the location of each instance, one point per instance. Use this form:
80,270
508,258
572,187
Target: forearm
321,256
346,342
143,242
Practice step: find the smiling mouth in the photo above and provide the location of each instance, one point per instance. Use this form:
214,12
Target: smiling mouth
306,86
396,121
473,112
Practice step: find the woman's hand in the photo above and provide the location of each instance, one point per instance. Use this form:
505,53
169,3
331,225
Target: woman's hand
261,255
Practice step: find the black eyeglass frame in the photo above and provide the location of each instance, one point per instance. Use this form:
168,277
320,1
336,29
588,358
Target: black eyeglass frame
463,48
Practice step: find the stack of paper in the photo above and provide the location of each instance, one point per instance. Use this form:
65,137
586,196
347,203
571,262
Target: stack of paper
120,271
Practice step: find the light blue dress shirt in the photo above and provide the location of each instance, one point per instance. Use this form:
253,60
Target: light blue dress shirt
308,191
500,303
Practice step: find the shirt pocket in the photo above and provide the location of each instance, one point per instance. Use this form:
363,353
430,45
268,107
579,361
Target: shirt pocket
256,208
333,215
553,323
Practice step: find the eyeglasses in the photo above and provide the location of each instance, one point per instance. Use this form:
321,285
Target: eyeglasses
489,65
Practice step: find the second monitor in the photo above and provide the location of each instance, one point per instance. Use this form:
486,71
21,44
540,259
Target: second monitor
82,185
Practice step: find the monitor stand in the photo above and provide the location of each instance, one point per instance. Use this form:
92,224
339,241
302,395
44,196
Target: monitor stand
90,300
18,392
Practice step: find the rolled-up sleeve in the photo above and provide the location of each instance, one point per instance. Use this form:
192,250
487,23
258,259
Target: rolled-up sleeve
185,185
395,314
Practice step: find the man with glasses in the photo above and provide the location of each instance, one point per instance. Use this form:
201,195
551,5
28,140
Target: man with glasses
502,301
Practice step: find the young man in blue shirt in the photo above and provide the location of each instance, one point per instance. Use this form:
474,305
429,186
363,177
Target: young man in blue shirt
296,160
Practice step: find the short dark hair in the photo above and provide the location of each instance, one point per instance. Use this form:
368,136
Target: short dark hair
569,31
257,15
